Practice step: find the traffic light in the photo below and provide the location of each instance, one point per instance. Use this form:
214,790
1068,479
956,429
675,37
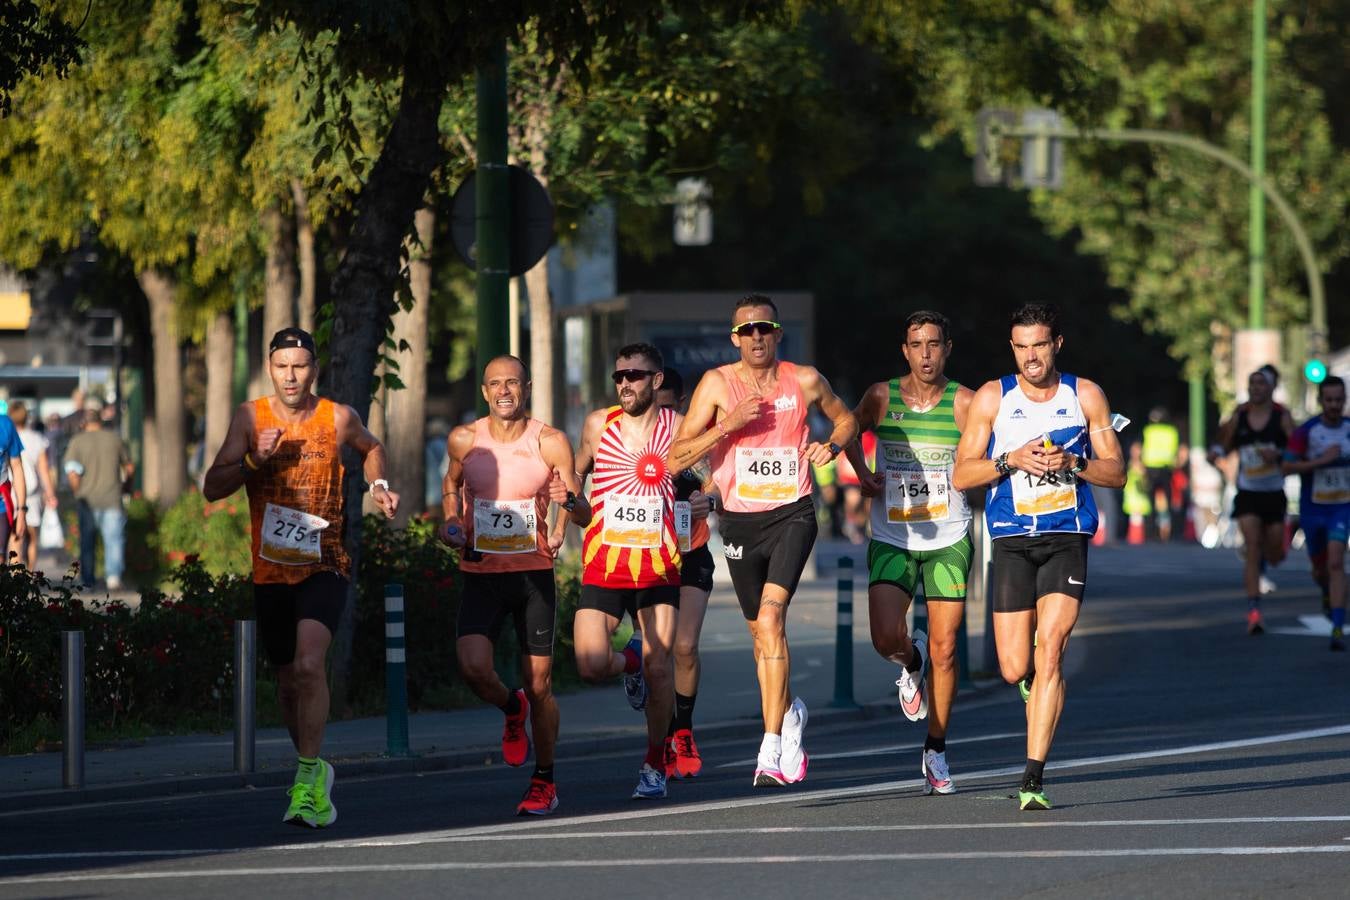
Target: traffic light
1315,371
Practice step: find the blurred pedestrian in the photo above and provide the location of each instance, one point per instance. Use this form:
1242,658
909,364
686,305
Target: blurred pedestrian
13,489
1162,444
37,475
96,463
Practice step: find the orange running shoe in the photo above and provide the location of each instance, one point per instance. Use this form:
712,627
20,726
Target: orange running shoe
1254,623
687,761
541,798
515,742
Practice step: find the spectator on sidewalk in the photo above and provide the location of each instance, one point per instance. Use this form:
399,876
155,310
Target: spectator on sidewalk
95,465
37,476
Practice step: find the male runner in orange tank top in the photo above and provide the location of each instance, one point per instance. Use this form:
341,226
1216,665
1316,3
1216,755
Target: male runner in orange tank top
503,470
751,416
285,451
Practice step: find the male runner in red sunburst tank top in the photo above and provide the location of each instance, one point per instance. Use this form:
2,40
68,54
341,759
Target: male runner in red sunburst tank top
760,455
630,552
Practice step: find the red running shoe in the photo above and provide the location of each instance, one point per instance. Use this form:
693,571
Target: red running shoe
1254,623
515,742
687,761
541,798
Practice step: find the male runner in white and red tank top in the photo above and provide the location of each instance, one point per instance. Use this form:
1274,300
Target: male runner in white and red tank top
751,416
503,470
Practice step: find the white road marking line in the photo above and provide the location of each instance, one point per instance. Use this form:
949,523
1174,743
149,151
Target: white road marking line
404,868
890,748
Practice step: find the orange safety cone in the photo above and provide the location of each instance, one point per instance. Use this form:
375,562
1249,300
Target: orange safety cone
1135,535
1099,536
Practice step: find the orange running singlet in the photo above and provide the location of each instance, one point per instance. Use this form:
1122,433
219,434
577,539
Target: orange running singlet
298,490
630,542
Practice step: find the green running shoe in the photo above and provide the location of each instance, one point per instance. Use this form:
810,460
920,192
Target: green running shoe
1032,799
1024,689
325,813
301,811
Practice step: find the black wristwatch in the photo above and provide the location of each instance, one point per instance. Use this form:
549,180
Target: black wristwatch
834,448
712,503
570,503
1079,464
1001,464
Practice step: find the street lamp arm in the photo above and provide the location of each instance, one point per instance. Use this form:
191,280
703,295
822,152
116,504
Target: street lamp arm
1317,296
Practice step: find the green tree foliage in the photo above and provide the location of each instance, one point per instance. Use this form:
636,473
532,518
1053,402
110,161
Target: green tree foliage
33,37
1170,227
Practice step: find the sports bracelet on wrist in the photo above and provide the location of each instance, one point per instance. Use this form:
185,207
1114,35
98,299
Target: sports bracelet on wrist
1001,464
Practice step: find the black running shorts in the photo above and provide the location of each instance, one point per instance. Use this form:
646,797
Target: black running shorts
1268,506
280,607
697,568
1028,568
617,601
530,598
769,547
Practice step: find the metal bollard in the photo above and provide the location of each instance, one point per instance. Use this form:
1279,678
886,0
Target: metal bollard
72,709
395,673
843,637
245,692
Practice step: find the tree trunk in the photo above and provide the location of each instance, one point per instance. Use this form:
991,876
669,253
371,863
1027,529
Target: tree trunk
304,237
405,413
278,287
170,461
538,122
363,293
541,342
219,382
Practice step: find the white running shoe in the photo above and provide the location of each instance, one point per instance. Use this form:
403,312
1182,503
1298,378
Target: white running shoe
913,699
793,760
938,779
1267,585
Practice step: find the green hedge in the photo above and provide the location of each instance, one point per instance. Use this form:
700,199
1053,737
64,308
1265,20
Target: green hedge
168,665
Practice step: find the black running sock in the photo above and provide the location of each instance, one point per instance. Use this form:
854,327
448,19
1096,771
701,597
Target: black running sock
1253,602
936,744
543,774
512,707
1031,778
916,661
684,710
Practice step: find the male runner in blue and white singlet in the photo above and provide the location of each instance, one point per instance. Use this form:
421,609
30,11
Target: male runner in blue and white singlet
1039,438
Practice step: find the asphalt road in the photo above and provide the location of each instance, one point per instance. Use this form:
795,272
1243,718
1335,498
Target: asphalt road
1191,760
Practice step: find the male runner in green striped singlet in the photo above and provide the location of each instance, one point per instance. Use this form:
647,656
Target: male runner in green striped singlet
919,528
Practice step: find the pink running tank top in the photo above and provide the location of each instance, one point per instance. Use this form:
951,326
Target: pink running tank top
761,467
506,502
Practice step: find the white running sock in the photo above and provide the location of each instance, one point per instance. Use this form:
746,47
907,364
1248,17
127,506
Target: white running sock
770,749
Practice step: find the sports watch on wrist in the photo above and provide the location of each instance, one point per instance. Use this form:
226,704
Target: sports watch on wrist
1001,464
1079,464
570,503
834,448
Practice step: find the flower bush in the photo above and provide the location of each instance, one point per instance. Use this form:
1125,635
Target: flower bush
166,664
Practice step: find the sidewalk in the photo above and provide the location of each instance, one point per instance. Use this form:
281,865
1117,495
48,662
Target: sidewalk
593,720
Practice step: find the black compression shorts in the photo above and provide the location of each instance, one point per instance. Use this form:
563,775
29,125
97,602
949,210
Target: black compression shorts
697,568
280,607
767,548
1268,506
1029,567
530,598
617,601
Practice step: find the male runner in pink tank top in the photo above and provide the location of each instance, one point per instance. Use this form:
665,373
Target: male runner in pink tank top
751,416
503,470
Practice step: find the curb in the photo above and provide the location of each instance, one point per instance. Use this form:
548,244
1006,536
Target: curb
594,743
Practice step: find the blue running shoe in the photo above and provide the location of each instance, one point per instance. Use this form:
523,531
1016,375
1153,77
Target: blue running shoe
651,784
634,685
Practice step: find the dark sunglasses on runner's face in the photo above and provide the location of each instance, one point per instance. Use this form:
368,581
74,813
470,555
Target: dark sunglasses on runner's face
762,326
633,375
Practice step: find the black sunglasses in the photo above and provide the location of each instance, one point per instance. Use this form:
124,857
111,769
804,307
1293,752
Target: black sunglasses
623,375
761,326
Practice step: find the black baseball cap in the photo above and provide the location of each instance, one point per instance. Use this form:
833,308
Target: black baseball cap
292,337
